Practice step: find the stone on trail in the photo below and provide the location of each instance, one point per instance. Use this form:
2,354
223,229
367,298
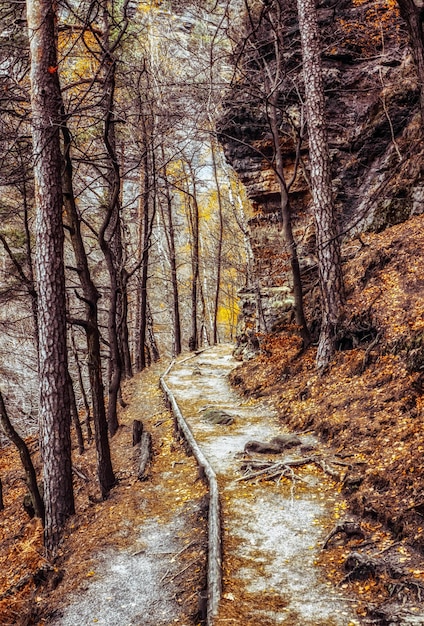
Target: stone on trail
275,446
216,416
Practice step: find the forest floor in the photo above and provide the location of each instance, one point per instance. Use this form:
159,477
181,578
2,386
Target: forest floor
272,531
369,407
139,557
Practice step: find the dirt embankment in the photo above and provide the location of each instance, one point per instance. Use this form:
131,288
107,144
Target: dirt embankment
369,404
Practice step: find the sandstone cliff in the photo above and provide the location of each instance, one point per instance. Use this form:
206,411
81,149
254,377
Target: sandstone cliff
374,139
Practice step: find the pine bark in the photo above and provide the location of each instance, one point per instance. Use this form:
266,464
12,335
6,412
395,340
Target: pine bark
328,246
413,14
54,408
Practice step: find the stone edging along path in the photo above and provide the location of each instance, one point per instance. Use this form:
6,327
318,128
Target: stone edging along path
214,577
272,531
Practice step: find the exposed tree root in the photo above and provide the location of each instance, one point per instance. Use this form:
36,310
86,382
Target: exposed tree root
271,469
349,528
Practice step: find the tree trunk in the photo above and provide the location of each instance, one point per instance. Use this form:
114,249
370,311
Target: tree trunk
328,247
413,14
137,432
170,236
28,466
82,389
193,209
285,215
115,362
91,327
151,335
54,409
219,247
110,231
123,331
74,415
145,455
144,240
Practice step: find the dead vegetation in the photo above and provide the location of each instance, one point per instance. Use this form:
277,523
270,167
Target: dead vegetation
369,404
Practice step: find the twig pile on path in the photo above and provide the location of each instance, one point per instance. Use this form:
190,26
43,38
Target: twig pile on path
270,469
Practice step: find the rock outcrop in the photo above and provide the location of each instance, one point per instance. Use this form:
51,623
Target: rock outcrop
374,139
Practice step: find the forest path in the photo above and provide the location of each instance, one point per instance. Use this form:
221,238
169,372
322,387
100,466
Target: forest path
272,532
138,559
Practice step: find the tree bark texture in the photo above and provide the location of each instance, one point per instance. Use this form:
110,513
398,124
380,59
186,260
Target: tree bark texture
110,232
145,454
194,214
328,247
413,14
285,216
144,242
170,238
74,415
137,432
54,408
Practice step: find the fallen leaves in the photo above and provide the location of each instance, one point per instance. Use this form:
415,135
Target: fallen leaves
368,405
171,487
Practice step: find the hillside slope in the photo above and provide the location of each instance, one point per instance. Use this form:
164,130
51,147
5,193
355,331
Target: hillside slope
368,405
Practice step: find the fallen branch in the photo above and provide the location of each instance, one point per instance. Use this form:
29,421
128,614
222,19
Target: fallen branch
80,474
256,468
271,469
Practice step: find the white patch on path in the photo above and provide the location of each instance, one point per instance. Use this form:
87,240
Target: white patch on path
127,588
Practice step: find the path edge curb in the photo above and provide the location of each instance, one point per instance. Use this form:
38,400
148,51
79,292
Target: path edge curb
214,568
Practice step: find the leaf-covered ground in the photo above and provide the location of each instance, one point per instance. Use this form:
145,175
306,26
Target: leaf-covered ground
369,404
171,492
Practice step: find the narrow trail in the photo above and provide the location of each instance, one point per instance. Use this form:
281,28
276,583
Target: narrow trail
272,532
146,563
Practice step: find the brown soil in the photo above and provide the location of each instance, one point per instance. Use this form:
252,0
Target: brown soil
25,597
369,404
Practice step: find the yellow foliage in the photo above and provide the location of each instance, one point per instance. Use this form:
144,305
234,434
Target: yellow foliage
146,5
227,314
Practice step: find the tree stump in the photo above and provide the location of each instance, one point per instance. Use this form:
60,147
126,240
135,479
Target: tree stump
137,432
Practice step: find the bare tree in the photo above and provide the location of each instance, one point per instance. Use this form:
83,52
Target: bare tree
328,246
261,64
31,476
168,222
90,324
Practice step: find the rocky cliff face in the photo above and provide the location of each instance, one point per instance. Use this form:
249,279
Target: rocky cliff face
374,140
